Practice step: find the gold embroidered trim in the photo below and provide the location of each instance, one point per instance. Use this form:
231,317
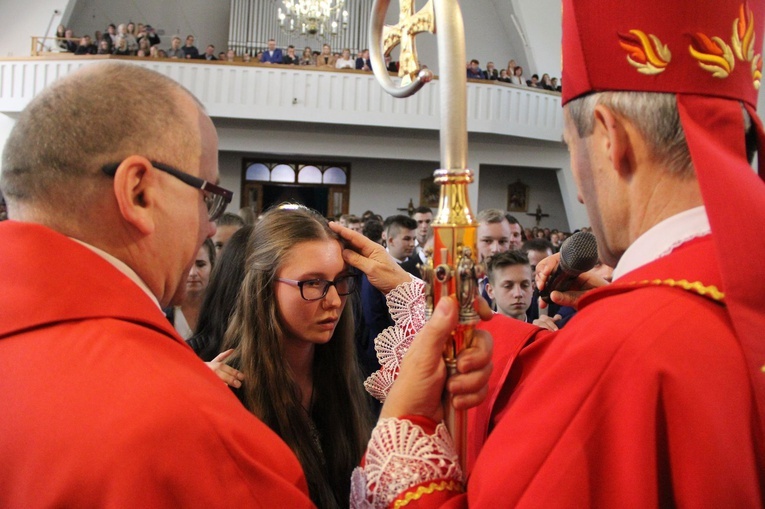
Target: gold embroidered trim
711,291
427,490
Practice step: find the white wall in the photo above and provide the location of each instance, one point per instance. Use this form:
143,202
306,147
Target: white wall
543,191
387,165
541,24
22,20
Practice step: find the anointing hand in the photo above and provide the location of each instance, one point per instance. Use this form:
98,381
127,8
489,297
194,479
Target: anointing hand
372,259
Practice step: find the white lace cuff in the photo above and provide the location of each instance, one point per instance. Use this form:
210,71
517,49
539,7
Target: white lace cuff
406,303
400,456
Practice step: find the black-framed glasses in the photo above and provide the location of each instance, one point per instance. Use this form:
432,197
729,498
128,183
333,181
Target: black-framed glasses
315,289
216,198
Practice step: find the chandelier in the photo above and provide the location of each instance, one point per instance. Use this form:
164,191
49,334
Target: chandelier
317,18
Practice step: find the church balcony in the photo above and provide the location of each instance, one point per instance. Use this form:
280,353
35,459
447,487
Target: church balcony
300,94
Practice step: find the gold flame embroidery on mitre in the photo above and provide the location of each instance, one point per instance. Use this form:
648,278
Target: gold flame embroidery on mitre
645,52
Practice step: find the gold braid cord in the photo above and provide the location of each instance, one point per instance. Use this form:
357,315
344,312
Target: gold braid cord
708,291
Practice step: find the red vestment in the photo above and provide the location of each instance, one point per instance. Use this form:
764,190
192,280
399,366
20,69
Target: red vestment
105,405
642,400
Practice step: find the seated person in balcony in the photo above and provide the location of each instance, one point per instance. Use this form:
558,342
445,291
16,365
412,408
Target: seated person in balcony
86,46
103,48
189,50
511,65
58,44
491,72
69,44
326,58
132,42
503,77
291,58
231,55
246,57
534,82
307,58
363,63
121,48
111,34
345,61
517,77
555,85
474,71
175,50
390,64
547,82
151,35
143,45
209,53
273,55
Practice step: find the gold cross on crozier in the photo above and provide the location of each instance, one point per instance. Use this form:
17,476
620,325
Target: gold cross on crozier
409,25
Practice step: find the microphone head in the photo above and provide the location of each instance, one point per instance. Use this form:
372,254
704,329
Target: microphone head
579,253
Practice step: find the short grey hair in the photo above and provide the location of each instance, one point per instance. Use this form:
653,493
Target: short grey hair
654,115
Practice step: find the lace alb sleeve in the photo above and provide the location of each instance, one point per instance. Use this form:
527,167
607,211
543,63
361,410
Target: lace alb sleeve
405,462
406,303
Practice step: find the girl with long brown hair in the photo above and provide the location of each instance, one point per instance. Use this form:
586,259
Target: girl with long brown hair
292,336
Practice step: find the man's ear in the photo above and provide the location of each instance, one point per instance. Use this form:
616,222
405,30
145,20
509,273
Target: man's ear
136,191
613,137
489,290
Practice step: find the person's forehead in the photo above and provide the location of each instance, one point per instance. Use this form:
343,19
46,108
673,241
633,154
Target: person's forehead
516,273
404,232
320,257
501,229
202,254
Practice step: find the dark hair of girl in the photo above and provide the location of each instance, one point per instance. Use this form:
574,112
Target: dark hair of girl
330,438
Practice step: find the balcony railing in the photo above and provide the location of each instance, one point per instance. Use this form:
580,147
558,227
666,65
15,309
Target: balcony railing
305,94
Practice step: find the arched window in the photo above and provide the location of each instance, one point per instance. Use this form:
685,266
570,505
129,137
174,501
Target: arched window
309,175
335,176
324,187
283,173
258,171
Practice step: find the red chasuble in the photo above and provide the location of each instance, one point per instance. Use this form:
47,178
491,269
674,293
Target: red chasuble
104,405
643,400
